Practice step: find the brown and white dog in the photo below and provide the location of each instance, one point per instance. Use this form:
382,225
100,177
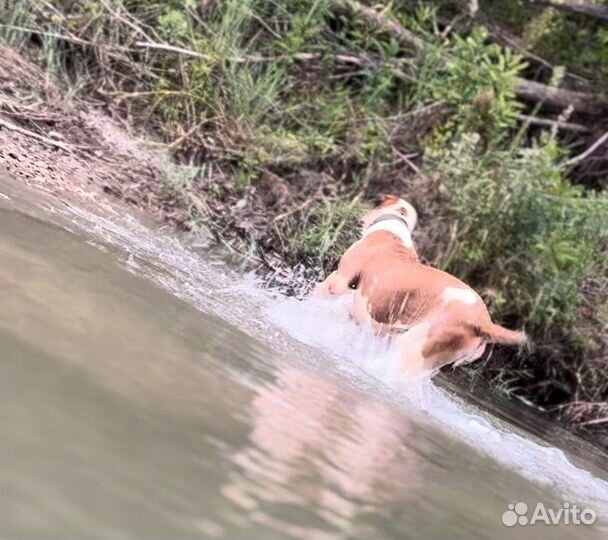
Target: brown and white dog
437,318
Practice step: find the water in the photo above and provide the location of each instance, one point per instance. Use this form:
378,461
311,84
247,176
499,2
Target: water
149,392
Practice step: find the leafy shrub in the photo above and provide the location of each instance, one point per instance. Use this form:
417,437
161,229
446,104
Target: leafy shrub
478,79
522,231
330,229
571,40
174,27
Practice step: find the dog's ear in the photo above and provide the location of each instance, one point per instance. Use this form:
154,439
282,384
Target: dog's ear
389,199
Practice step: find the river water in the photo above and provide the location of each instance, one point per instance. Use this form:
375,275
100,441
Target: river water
149,391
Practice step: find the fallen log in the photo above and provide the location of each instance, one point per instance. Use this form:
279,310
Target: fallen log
560,98
597,11
525,89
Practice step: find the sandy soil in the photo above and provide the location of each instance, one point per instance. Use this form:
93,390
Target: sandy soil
65,147
69,148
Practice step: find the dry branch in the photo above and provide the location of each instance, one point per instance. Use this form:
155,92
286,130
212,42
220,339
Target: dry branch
376,19
570,6
554,124
506,39
253,58
586,153
52,142
525,89
559,98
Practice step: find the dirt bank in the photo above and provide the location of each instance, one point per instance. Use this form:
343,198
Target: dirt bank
66,146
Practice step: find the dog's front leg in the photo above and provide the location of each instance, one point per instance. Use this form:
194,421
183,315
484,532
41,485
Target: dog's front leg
334,285
345,278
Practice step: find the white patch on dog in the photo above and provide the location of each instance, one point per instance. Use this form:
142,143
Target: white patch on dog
466,296
393,226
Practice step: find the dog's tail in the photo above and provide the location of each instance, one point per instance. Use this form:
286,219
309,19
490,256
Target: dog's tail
495,333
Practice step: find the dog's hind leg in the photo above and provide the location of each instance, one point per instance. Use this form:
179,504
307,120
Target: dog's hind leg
456,344
410,345
427,347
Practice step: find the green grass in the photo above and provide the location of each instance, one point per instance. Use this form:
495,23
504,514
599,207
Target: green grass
327,228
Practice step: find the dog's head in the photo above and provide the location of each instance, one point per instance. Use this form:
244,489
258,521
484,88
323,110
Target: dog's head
392,205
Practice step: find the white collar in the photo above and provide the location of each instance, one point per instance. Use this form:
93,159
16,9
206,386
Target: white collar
395,225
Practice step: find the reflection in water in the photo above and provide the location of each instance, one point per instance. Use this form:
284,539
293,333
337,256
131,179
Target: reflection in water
85,309
315,445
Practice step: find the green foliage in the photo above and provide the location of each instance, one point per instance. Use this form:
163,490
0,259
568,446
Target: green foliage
278,147
251,91
574,41
584,52
306,20
174,27
13,17
521,229
478,79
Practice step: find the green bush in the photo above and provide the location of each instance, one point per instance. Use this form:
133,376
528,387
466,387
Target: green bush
476,78
574,41
522,232
329,230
